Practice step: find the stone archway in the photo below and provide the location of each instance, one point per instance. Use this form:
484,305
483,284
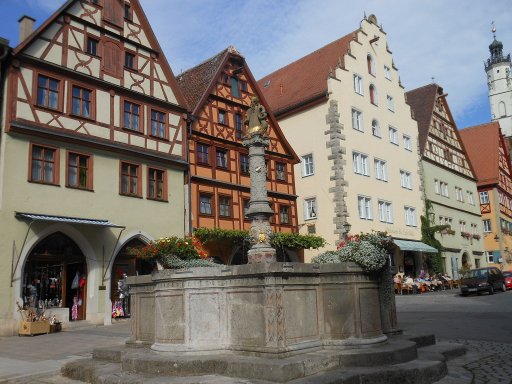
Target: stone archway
54,276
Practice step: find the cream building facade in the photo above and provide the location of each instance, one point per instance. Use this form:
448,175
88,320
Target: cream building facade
343,110
92,160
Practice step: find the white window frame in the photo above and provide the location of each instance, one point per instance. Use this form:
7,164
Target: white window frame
487,225
437,188
462,225
390,103
308,165
470,198
360,164
387,72
393,135
410,216
459,195
376,128
357,120
405,179
358,84
380,167
444,189
484,197
310,209
385,211
364,207
489,255
407,142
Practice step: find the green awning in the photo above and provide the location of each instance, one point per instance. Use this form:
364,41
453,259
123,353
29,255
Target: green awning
416,246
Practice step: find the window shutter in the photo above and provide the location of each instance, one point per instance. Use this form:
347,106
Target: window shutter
112,59
113,12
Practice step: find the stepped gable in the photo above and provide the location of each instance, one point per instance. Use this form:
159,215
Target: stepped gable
422,101
303,81
482,143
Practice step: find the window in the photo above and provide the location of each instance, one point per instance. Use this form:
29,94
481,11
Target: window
244,163
387,72
391,103
79,173
131,116
437,187
462,224
445,221
405,179
360,164
113,12
364,205
128,12
129,60
487,225
48,92
358,84
284,214
490,256
307,165
373,94
81,102
381,172
234,87
246,203
407,143
157,184
484,197
458,194
385,212
222,117
158,124
205,204
130,179
222,158
238,126
44,165
393,135
225,206
280,171
470,198
310,209
375,128
357,120
92,46
444,189
410,216
203,153
371,64
243,85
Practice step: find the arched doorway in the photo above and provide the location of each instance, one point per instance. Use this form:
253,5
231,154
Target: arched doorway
126,264
55,276
465,261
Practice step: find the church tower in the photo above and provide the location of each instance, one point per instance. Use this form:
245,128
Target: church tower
499,80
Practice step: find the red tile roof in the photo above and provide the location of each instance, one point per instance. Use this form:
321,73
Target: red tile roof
422,101
482,143
305,79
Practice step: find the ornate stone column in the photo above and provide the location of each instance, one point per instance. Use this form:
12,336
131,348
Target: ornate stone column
259,208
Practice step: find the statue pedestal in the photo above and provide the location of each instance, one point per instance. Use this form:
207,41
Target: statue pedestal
261,255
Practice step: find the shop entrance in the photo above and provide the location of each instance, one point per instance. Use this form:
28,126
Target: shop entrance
126,264
409,264
54,276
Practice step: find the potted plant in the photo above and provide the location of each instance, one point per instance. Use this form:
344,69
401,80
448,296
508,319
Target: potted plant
466,235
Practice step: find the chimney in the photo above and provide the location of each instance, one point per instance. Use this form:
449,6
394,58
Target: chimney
26,27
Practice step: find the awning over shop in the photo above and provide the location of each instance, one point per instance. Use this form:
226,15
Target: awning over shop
64,219
416,246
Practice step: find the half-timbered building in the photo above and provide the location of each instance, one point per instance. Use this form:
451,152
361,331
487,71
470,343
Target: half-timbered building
92,159
486,148
448,179
219,92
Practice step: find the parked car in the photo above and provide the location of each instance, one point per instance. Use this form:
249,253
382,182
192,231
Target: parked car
508,279
480,280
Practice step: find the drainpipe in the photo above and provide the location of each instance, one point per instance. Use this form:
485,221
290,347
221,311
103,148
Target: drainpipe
190,121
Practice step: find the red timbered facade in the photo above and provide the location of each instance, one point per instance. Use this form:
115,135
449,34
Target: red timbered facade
94,126
219,92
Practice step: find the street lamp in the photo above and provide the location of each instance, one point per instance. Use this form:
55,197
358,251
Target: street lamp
346,226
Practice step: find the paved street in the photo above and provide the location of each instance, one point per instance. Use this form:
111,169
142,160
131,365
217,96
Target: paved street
483,323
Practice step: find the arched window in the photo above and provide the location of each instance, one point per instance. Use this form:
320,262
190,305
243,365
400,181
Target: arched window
373,94
371,64
375,128
502,109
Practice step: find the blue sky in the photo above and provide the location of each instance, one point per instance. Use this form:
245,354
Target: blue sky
446,40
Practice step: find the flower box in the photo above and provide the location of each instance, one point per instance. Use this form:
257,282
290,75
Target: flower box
34,327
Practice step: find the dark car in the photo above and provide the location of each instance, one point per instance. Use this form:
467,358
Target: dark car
480,280
508,279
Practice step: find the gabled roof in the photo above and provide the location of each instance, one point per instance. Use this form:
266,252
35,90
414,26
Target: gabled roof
422,101
482,143
135,4
197,83
305,79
